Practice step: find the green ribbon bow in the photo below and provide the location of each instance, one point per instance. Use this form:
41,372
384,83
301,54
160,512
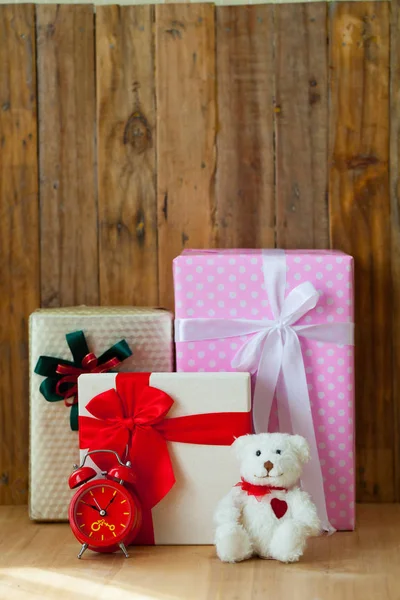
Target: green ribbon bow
62,375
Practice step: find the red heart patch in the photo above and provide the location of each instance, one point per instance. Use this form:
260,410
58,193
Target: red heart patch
279,507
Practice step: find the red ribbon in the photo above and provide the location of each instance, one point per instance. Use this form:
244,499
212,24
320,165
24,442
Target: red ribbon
258,490
131,420
71,374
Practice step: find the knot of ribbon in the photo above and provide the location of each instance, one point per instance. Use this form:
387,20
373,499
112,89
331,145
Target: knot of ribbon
273,353
132,420
277,333
129,423
62,375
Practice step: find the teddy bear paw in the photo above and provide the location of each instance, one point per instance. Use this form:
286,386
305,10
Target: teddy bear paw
232,543
288,542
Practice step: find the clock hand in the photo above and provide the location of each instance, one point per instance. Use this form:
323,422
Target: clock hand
91,506
111,501
98,505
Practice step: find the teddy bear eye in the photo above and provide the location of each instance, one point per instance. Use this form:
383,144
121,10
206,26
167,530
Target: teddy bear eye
258,452
279,452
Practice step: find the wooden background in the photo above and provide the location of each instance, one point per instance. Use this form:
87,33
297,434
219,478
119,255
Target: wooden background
130,133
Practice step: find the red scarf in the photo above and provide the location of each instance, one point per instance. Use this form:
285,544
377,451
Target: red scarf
258,490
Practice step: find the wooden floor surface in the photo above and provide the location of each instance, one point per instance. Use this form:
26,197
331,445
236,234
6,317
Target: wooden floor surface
39,561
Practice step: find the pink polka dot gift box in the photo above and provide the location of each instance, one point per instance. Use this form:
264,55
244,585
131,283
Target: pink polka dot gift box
287,318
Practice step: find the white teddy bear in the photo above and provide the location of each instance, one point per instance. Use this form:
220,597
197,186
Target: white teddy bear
266,514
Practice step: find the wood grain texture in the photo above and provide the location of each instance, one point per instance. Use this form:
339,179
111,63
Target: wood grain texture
19,240
245,215
301,117
186,94
39,561
126,155
68,204
395,223
360,222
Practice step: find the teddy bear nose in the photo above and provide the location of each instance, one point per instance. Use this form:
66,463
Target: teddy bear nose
268,466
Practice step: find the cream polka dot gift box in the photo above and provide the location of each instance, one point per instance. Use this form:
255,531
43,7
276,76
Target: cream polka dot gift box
286,317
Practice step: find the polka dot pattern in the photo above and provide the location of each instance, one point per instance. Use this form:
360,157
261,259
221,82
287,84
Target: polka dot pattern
230,284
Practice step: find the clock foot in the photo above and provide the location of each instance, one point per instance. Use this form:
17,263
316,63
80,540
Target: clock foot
82,550
124,550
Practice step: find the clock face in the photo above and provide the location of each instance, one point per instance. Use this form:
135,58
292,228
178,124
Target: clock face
103,513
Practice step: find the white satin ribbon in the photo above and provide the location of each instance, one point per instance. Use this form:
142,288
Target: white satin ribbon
274,352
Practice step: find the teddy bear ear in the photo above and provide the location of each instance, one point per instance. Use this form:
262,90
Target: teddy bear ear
302,447
240,443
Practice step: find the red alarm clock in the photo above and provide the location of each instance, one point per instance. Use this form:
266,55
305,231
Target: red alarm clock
104,514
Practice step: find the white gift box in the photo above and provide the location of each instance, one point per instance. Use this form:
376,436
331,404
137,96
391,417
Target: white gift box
204,473
54,447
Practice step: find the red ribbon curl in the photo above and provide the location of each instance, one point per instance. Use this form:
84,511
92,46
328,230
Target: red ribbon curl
131,420
71,373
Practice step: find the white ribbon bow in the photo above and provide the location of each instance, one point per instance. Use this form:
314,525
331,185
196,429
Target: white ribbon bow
274,352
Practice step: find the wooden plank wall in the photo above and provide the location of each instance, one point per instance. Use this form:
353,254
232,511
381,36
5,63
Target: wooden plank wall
126,174
66,114
360,222
19,239
149,129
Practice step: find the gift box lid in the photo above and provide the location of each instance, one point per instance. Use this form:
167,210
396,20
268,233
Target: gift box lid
256,252
101,311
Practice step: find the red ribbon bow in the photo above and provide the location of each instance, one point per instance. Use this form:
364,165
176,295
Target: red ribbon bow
71,373
131,420
258,490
